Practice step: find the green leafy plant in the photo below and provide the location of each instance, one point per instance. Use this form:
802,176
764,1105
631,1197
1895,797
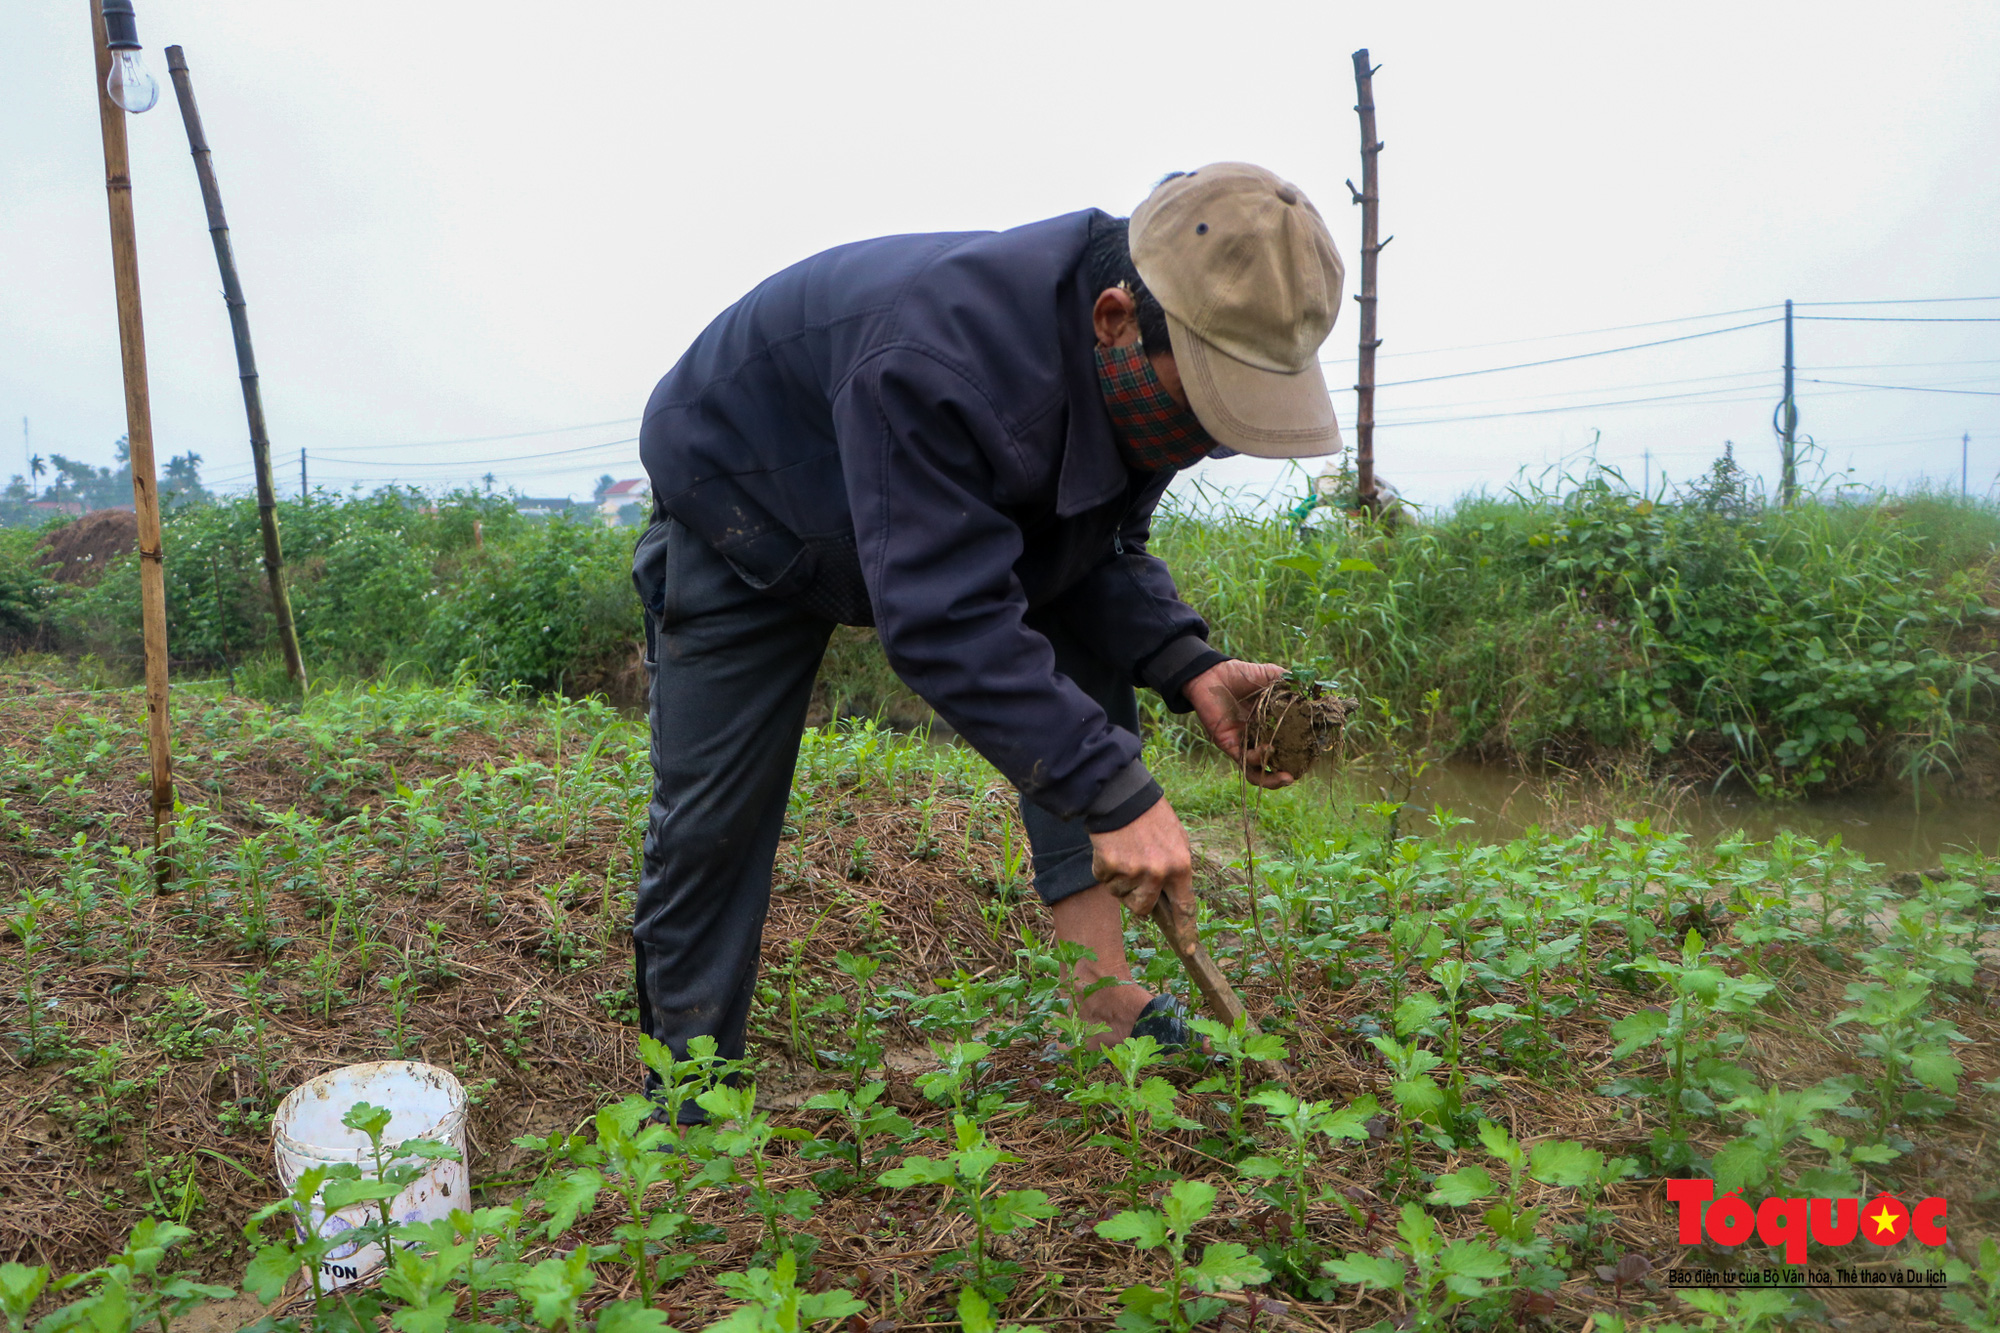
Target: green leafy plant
1238,1047
1141,1103
629,1156
1224,1265
1912,1043
128,1291
965,1178
20,1287
45,1036
1433,1276
1975,1302
773,1301
1289,1186
1692,1039
1755,1163
742,1131
1515,1226
865,1117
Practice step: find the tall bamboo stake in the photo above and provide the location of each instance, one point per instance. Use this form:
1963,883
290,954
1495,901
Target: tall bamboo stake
139,435
1369,197
246,365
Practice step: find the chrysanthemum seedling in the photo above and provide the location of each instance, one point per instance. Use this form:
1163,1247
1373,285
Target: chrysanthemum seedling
632,1153
1240,1048
128,1291
742,1131
1433,1276
865,1117
1692,1039
773,1301
1912,1043
1224,1266
864,1027
1289,1186
1557,1163
20,1287
1142,1104
965,1175
1419,1098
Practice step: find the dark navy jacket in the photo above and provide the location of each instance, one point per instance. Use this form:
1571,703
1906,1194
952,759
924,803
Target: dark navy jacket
908,432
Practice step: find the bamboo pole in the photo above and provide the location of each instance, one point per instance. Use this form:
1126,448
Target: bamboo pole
139,436
1369,197
246,366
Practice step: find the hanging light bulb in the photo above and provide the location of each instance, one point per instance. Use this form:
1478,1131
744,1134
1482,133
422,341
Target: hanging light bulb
131,85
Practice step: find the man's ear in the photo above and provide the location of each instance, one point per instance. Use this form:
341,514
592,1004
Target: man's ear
1115,317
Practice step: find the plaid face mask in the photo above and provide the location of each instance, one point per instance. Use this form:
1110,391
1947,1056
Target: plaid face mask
1154,433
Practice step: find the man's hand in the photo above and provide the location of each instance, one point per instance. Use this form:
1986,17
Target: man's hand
1146,858
1217,695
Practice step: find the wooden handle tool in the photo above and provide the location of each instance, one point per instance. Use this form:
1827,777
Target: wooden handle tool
1184,938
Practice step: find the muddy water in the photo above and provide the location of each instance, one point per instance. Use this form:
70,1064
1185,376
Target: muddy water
1901,833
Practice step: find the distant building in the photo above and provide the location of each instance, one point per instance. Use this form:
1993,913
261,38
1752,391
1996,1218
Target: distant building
544,506
73,508
622,497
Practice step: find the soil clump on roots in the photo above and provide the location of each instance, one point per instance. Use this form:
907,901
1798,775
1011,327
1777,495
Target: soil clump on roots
1298,722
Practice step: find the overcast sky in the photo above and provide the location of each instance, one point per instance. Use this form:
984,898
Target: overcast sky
458,221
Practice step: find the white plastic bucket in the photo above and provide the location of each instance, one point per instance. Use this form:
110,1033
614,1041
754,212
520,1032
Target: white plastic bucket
424,1102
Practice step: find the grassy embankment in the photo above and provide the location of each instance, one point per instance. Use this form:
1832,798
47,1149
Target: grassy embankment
1833,645
1503,1051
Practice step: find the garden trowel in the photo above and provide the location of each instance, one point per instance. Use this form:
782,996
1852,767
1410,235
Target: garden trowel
1183,936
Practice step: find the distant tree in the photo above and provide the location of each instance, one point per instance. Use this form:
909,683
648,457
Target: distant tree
14,510
92,487
631,516
182,484
604,485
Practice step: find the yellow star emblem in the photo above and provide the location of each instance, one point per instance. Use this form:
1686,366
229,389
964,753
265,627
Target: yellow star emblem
1885,1221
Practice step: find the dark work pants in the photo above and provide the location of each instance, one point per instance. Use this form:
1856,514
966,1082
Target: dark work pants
732,676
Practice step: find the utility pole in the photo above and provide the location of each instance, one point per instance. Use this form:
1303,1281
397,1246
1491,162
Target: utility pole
246,366
1369,197
138,412
1964,448
304,494
28,449
1647,489
1786,422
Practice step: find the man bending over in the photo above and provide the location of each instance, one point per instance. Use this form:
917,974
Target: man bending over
959,439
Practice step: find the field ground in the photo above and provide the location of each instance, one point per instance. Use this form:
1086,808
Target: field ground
447,875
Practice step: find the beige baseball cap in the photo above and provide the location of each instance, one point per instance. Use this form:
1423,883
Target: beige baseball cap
1245,269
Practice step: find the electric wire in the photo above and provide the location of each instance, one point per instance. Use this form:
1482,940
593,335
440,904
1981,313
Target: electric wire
1901,319
1910,388
1579,356
1897,365
1579,333
486,439
1564,393
1680,398
483,462
335,457
1913,300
